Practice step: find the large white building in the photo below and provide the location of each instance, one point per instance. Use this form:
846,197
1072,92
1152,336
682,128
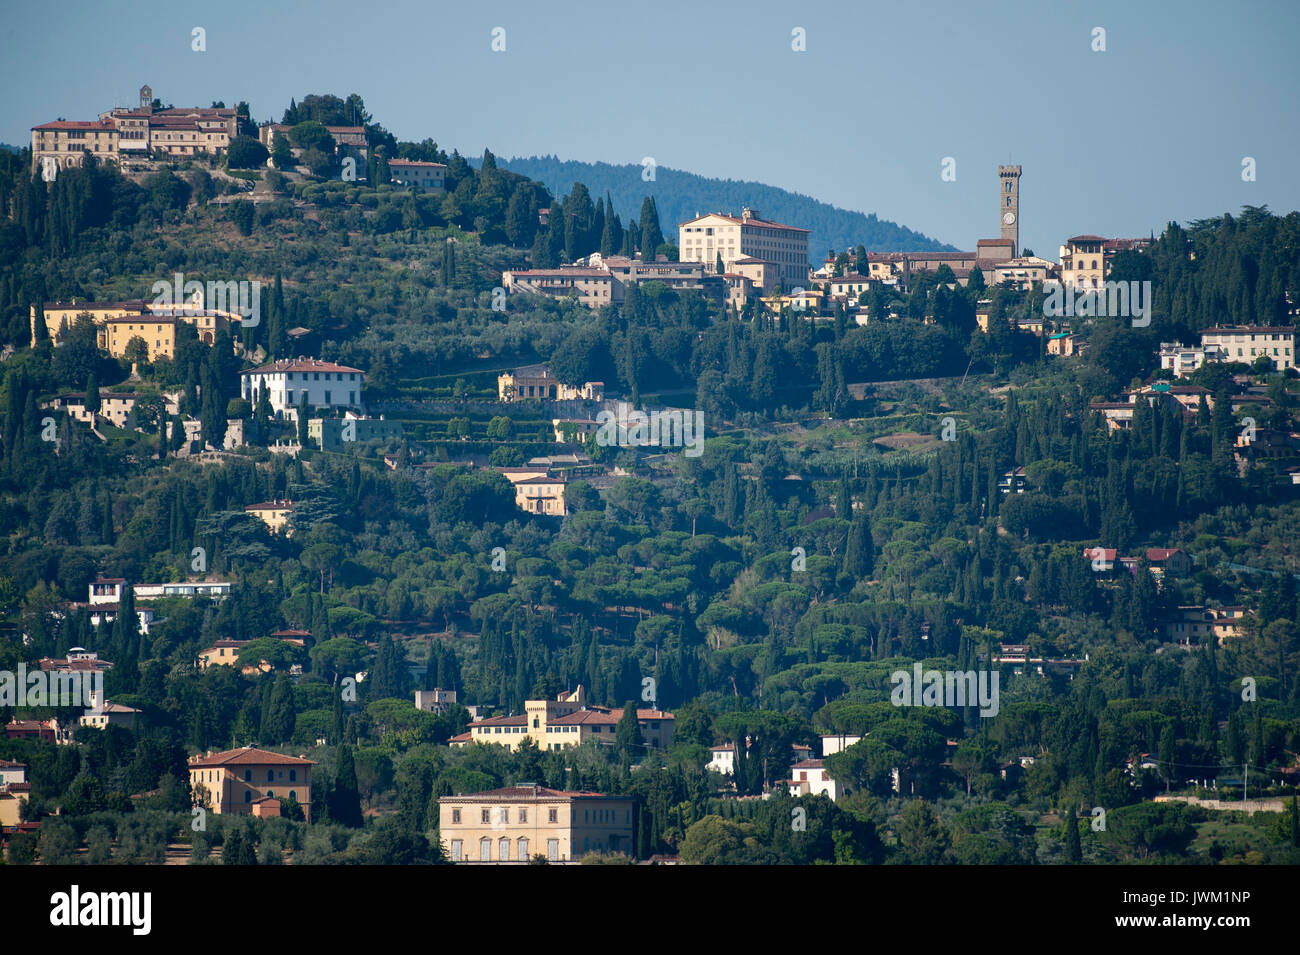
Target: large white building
704,238
286,382
1249,342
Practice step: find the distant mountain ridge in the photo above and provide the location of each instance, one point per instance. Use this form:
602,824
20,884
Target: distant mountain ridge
681,195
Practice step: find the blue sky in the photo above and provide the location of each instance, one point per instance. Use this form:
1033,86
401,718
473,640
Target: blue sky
1116,142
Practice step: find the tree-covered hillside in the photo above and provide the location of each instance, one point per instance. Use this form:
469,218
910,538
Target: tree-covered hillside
681,195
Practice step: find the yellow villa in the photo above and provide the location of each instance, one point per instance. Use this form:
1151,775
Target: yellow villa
516,823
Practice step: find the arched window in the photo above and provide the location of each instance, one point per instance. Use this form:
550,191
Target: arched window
293,794
523,850
503,849
485,850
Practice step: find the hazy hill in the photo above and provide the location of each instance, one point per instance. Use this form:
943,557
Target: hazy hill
680,195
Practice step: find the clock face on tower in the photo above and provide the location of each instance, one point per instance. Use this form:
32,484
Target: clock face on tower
1009,218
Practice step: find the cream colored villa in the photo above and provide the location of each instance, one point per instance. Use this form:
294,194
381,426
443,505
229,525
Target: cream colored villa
536,381
705,238
123,132
568,720
516,823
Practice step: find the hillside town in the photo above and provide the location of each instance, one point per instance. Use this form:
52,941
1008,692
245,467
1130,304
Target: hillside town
393,508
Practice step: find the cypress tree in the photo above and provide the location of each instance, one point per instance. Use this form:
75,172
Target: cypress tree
859,554
92,393
345,802
282,719
1073,849
233,846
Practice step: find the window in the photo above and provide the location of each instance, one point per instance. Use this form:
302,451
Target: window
485,817
552,815
553,849
248,795
248,775
293,775
523,815
456,850
503,850
523,850
270,775
293,794
455,816
485,850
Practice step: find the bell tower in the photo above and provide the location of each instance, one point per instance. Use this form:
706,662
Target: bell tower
1009,204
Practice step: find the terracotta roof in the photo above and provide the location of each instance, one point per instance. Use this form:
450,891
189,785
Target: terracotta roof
808,764
520,720
415,163
299,364
248,756
582,717
1250,330
77,124
1085,238
1161,553
760,223
572,272
540,793
270,506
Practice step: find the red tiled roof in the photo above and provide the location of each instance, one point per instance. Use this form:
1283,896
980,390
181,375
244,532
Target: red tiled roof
248,756
415,163
521,720
1160,553
77,124
760,223
528,792
1250,330
299,364
582,717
